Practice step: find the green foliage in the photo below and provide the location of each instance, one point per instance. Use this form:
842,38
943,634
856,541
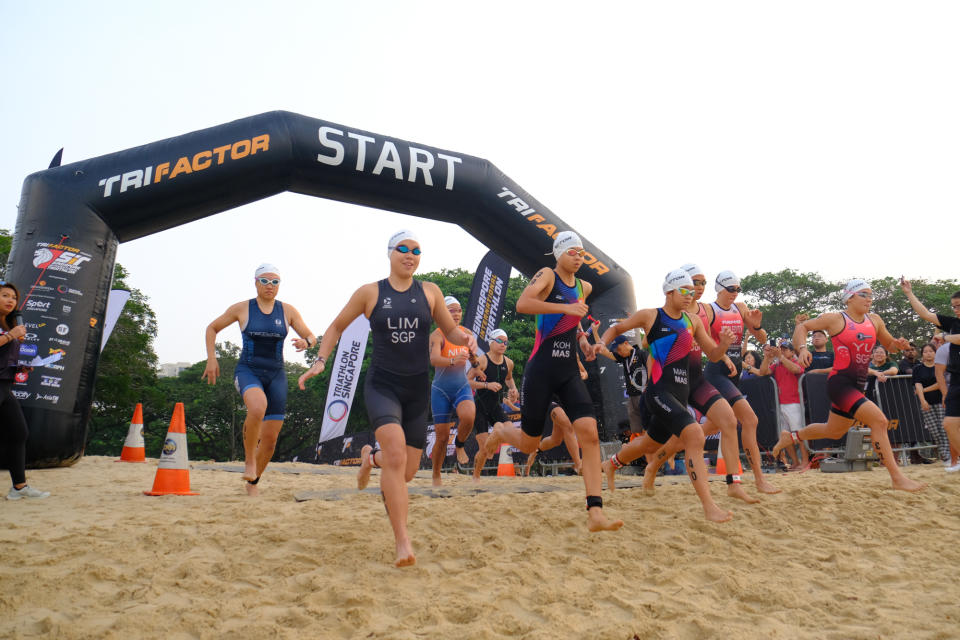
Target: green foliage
6,240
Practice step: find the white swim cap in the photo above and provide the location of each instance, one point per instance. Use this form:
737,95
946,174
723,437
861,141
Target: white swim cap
855,285
266,267
399,237
693,269
677,278
497,333
565,240
726,279
449,300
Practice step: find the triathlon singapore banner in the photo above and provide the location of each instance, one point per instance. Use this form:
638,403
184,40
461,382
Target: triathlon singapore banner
344,375
71,219
487,297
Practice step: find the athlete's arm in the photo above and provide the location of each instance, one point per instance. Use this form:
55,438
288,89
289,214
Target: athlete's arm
306,339
533,299
361,302
713,350
752,321
642,319
512,395
830,323
476,377
892,344
921,310
583,372
212,371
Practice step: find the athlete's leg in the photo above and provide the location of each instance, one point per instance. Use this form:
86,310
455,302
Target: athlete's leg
951,425
439,453
467,413
748,422
586,430
627,454
656,460
392,459
269,432
834,428
255,401
569,438
692,439
871,416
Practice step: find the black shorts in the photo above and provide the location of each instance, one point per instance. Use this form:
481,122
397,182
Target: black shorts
846,396
487,416
537,393
718,374
669,416
703,395
953,399
404,400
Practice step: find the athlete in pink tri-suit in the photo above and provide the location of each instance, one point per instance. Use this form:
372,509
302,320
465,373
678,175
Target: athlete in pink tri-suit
854,333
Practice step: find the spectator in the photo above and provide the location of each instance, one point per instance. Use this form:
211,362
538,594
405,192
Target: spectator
931,400
785,367
940,362
751,368
881,368
822,359
633,359
909,360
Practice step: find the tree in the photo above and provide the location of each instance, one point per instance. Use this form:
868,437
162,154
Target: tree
6,240
782,295
126,375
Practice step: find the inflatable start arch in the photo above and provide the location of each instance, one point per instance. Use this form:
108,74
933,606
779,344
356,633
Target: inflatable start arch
71,219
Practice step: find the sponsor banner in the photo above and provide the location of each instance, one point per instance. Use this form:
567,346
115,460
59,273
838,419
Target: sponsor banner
344,376
115,303
59,257
487,297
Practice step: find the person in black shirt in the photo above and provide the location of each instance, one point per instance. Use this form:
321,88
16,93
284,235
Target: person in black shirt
13,426
908,361
821,359
931,400
632,359
951,330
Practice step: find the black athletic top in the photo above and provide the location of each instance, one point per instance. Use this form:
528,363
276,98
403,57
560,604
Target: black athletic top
9,359
400,326
495,373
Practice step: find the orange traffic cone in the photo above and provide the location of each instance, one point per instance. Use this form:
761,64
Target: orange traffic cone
722,464
173,475
133,449
505,464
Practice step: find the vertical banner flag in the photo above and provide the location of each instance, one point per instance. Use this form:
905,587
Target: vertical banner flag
115,303
487,297
344,374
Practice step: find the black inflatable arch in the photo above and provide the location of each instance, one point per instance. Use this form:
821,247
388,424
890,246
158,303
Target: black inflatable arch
71,219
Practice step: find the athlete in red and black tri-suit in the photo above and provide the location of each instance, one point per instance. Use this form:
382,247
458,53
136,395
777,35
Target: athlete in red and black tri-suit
854,332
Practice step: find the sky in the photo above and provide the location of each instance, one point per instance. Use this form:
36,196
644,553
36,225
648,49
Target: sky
751,136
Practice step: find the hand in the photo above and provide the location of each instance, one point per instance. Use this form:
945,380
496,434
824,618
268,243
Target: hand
578,309
730,366
460,360
596,350
804,356
315,370
924,405
727,337
754,317
905,285
596,323
513,395
301,344
19,332
481,375
583,374
471,341
881,377
211,372
493,386
800,318
902,343
771,352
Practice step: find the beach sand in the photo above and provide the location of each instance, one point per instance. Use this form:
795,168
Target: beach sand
833,556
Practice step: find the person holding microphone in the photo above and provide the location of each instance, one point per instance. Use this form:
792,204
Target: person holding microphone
13,426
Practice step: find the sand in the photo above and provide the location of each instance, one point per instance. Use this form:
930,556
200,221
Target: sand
833,556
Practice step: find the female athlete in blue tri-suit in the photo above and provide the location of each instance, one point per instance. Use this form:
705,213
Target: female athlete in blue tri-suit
259,377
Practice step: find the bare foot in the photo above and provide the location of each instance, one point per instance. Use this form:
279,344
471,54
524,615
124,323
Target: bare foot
804,467
735,490
405,556
531,458
437,481
252,490
765,487
250,470
462,456
596,521
714,513
363,476
784,441
903,483
610,472
649,478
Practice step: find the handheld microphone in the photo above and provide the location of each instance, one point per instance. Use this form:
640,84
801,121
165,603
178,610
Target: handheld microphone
18,319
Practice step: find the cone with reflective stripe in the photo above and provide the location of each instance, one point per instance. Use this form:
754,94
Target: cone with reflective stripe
133,449
173,475
505,464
